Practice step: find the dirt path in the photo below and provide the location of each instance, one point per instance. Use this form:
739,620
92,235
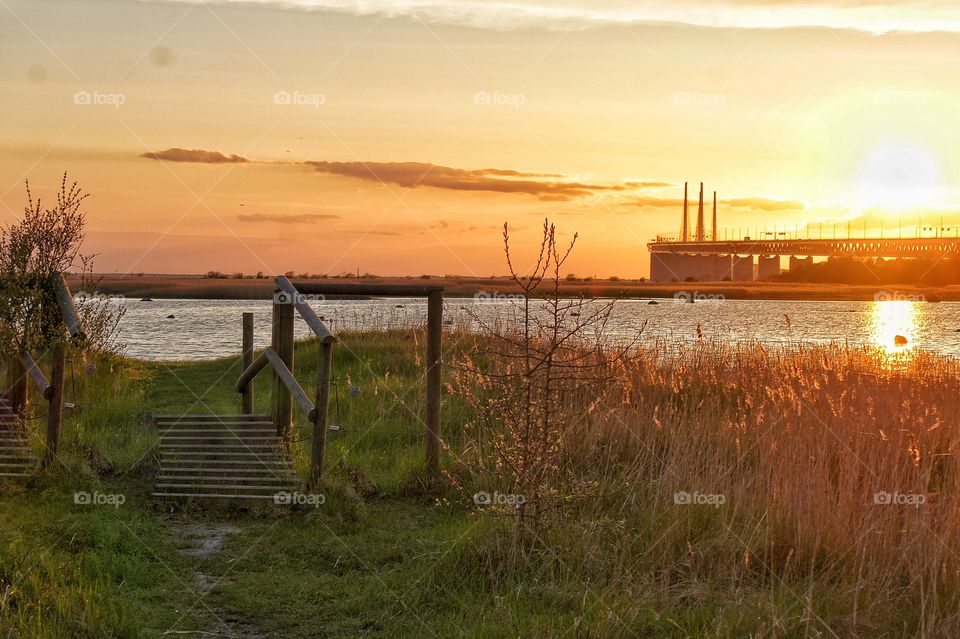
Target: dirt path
203,540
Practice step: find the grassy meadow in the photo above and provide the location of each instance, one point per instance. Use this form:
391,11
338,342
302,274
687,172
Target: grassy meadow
717,491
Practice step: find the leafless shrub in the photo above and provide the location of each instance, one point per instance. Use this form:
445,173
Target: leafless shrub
533,387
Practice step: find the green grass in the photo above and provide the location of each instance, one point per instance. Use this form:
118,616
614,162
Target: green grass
382,557
275,571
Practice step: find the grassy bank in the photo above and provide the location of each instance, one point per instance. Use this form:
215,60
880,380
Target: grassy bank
724,492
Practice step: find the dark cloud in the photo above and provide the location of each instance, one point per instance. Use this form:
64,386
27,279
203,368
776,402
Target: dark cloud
545,186
284,218
194,155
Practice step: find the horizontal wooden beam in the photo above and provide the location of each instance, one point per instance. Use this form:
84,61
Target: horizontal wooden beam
306,312
30,365
291,383
375,290
67,307
251,371
270,356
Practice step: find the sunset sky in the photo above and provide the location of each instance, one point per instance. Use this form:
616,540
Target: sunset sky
398,137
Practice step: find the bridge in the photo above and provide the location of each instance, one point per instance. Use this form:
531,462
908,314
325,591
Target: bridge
677,258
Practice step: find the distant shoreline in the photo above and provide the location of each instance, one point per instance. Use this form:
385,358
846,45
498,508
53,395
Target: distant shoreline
199,287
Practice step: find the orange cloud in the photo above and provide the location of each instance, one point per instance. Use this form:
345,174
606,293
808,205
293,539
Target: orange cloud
281,218
756,204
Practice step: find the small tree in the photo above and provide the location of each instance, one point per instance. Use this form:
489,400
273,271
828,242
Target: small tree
533,385
48,241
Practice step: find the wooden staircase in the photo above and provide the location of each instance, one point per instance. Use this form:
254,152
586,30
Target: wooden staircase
222,457
16,458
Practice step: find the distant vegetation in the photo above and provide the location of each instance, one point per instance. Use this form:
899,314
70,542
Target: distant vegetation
846,270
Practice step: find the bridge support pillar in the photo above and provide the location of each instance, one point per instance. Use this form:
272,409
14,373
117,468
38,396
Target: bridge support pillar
768,267
679,267
665,267
799,262
741,268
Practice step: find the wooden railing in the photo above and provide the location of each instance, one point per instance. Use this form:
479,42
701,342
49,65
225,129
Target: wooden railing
434,295
279,357
25,367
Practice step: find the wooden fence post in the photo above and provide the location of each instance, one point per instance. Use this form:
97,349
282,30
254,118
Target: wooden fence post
17,385
247,397
55,408
434,346
282,400
324,364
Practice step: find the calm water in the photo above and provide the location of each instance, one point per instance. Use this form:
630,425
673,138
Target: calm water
202,329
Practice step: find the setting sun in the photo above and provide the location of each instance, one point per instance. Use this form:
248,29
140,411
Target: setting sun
900,178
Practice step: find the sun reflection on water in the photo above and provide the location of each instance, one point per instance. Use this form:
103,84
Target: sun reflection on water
894,326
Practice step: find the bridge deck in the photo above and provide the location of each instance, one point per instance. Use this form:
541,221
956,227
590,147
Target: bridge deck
862,247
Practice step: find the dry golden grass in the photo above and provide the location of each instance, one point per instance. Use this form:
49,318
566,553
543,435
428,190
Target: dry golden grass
805,449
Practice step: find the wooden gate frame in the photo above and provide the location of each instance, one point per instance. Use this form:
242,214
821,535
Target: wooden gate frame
289,297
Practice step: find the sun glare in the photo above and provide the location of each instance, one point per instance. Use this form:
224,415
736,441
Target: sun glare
899,177
894,325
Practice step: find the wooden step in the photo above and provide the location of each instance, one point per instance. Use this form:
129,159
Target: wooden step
177,441
221,457
211,496
213,419
16,457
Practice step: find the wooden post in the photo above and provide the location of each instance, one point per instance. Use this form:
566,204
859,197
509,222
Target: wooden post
55,409
282,400
17,385
434,345
247,397
324,365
